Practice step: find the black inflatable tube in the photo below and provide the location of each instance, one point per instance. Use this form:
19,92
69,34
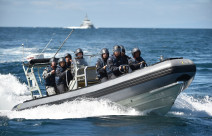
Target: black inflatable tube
45,60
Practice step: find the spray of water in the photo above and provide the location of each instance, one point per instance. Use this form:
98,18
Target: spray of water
79,108
12,91
186,105
17,54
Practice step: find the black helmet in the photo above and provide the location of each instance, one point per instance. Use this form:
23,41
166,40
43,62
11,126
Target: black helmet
122,48
134,50
61,60
116,48
78,51
53,59
104,50
68,55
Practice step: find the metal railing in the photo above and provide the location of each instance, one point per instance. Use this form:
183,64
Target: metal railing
83,74
32,81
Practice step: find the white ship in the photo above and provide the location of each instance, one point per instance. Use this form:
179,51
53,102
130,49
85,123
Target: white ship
86,24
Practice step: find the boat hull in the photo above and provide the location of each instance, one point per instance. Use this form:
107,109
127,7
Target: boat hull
158,101
152,89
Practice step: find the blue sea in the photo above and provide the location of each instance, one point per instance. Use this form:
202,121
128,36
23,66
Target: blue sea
191,114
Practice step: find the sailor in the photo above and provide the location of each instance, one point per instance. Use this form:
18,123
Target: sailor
124,56
49,76
79,58
101,65
68,59
63,76
116,64
137,62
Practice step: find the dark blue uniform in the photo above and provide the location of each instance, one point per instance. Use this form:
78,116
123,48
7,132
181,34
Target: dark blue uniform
101,72
49,78
134,63
60,75
113,64
126,59
68,64
63,76
50,84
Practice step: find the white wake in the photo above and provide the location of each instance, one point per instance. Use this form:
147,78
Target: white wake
186,105
12,92
79,108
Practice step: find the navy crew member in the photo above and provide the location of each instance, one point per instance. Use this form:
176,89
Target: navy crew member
49,77
124,56
68,59
137,62
116,64
79,57
63,76
101,65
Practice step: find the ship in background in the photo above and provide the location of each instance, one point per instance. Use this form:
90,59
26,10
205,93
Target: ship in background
86,24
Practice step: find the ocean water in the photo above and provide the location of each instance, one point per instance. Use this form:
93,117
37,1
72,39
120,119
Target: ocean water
191,113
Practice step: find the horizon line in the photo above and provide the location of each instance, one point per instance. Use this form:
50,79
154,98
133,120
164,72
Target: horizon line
109,27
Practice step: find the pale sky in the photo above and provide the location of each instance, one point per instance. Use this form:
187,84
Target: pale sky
107,13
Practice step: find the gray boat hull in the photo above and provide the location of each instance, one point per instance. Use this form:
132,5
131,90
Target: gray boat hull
152,89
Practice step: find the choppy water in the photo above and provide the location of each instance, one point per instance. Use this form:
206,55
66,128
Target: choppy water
190,115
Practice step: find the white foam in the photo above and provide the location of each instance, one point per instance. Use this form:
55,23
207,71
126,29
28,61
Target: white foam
12,91
186,105
15,54
79,108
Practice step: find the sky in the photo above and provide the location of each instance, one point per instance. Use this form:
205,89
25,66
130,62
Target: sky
107,13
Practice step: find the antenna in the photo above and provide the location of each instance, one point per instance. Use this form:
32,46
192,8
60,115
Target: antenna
23,50
64,42
45,47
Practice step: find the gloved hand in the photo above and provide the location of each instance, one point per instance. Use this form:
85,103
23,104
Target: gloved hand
142,64
68,69
105,67
52,72
124,68
121,69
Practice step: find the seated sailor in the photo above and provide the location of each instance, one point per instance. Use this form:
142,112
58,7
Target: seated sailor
137,61
116,64
69,62
101,65
63,76
124,56
68,59
49,76
79,58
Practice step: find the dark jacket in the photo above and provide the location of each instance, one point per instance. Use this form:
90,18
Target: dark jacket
101,73
68,64
63,76
113,64
49,78
134,63
126,59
